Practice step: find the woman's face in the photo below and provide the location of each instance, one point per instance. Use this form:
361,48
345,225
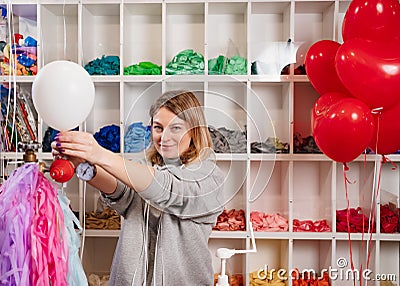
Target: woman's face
170,134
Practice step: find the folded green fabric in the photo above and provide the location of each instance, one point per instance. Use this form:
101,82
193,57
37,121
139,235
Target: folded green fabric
223,65
186,62
143,68
236,65
216,65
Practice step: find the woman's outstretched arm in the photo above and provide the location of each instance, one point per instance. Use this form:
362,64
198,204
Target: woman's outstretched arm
111,166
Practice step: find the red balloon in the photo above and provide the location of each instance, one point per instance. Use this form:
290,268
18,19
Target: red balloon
323,103
320,67
371,71
344,131
376,20
387,140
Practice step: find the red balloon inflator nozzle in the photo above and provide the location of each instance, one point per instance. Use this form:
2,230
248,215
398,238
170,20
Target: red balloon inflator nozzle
62,170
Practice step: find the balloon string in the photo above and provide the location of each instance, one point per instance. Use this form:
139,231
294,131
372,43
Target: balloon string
65,32
346,181
375,191
375,195
386,159
363,221
372,222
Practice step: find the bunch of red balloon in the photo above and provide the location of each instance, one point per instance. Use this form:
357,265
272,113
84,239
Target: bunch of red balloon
358,82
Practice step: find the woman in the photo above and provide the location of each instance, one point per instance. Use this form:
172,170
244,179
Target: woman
169,205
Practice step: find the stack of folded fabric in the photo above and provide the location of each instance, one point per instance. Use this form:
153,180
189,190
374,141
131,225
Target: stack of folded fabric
143,68
271,145
109,137
106,219
235,65
228,141
106,65
137,138
98,280
186,62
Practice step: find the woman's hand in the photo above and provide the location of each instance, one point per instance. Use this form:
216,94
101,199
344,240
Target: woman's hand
77,146
58,154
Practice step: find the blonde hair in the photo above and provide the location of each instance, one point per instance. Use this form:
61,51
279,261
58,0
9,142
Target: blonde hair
187,107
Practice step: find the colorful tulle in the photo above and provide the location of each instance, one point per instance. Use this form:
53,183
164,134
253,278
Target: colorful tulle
34,238
76,275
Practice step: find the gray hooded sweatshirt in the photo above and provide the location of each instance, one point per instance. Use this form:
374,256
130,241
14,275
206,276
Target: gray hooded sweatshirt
165,232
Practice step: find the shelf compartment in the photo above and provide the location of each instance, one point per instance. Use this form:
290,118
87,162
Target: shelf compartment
268,112
272,254
59,32
389,261
227,30
360,189
313,256
185,28
20,21
142,34
312,198
106,109
18,97
138,98
305,97
388,200
342,260
313,21
226,105
100,31
269,22
269,28
269,189
98,253
234,184
24,19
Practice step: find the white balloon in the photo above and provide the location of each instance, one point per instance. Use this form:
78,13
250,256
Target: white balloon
63,94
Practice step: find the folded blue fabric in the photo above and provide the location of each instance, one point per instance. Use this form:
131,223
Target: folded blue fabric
109,137
137,138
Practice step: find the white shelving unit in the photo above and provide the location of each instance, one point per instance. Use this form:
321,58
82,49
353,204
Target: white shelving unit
297,186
